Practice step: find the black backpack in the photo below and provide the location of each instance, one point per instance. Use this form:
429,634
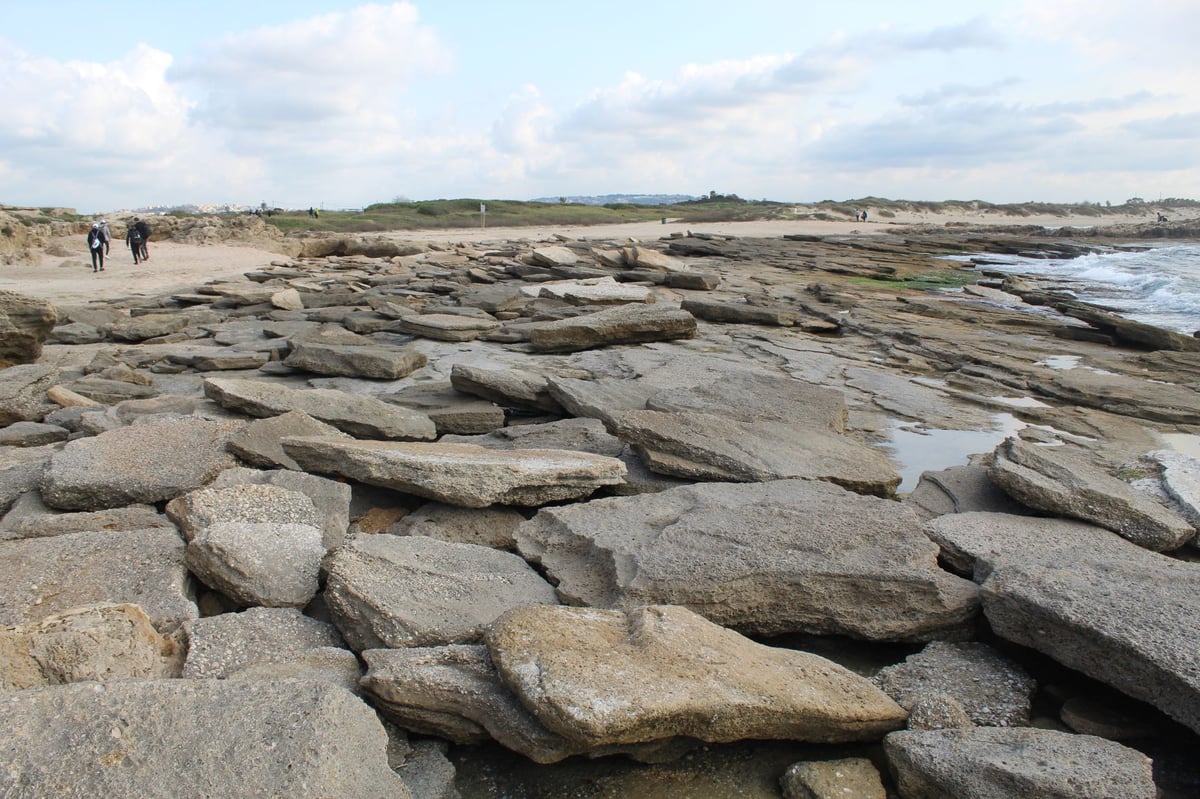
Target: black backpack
135,235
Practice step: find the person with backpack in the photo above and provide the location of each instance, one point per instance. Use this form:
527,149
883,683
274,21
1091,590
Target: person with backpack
106,233
95,242
135,240
143,231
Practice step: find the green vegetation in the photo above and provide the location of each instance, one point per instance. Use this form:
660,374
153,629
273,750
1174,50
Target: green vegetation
464,213
926,281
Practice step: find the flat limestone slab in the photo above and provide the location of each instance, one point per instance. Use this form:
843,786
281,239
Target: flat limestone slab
162,739
446,327
706,446
461,474
605,677
351,413
1064,483
769,558
149,462
623,324
1016,761
44,576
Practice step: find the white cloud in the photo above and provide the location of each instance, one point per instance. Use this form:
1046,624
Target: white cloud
354,107
332,69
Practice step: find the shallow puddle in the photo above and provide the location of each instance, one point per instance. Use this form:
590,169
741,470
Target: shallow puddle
915,451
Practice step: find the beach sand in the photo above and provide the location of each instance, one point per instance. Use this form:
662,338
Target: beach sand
176,267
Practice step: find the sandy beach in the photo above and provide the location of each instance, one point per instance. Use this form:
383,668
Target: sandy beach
175,267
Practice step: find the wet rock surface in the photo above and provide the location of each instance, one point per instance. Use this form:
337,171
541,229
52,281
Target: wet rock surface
544,488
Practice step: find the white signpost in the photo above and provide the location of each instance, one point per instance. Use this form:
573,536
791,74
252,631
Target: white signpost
482,214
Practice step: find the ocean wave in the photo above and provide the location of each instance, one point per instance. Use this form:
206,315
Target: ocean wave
1160,286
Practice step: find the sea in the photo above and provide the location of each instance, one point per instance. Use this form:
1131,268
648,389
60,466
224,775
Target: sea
1158,286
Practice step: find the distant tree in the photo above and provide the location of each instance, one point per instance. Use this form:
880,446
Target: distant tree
562,200
1135,201
400,199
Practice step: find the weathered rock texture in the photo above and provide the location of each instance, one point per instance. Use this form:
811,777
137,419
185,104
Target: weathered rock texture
169,738
950,764
765,559
461,474
607,677
25,324
414,591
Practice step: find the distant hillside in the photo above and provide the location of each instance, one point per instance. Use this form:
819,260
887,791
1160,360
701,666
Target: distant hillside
619,199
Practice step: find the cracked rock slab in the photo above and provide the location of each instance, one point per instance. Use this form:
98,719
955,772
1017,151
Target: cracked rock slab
394,591
1062,483
355,414
159,739
148,462
461,474
604,677
765,559
1014,761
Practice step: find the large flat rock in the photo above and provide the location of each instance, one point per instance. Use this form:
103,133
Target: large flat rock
1121,394
461,474
148,462
706,446
371,361
744,394
509,388
1007,761
355,414
765,559
1129,621
623,324
606,677
221,646
162,739
44,576
97,642
394,591
1089,599
1064,483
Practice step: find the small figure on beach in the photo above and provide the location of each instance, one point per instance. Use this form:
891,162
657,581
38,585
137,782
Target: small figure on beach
106,233
1162,217
95,242
133,237
864,216
143,230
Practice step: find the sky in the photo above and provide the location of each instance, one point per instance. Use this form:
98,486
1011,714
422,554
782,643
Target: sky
339,104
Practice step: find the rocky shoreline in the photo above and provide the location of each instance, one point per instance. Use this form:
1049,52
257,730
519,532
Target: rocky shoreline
375,518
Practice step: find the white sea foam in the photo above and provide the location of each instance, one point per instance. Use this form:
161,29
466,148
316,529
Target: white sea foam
1160,286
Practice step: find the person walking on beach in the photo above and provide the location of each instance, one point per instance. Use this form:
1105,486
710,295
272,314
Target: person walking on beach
95,242
144,233
107,234
133,237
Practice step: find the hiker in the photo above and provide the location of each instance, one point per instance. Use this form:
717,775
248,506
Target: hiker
144,230
95,242
107,234
864,216
133,237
